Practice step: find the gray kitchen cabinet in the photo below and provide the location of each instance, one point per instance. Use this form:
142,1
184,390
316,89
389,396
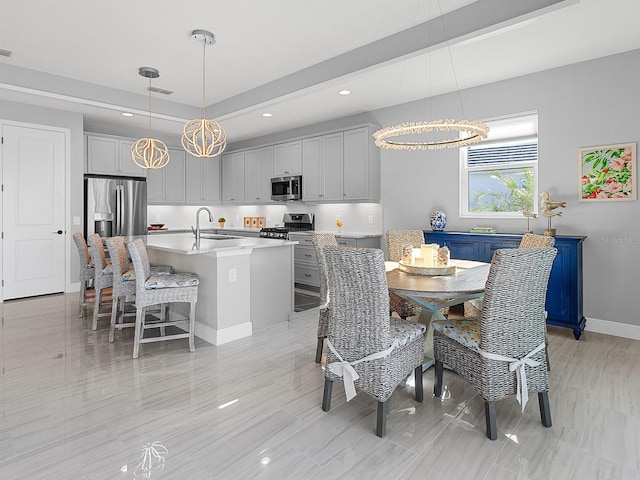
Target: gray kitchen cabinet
166,186
306,272
108,155
287,159
258,170
233,178
322,168
202,180
361,165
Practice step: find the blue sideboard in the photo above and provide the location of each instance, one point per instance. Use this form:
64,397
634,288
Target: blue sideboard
564,294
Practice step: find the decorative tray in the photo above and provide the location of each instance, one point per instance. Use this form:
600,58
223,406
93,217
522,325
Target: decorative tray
430,271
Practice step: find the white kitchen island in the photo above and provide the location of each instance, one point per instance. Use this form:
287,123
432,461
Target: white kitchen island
246,284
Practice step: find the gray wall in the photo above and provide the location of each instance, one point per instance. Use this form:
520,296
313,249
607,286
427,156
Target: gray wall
587,104
20,112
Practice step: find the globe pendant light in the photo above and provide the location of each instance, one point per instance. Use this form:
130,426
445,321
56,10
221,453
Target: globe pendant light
149,153
203,137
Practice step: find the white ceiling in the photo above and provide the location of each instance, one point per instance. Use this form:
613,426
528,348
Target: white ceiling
287,57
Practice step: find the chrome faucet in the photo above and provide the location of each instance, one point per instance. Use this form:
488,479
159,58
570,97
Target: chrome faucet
196,232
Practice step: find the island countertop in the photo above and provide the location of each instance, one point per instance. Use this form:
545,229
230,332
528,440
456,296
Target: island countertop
186,243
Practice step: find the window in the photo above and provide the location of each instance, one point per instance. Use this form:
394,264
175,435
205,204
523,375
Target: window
499,177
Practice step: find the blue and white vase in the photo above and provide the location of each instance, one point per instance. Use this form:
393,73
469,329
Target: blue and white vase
438,220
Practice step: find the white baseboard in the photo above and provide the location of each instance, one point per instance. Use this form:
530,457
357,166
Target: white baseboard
219,337
613,328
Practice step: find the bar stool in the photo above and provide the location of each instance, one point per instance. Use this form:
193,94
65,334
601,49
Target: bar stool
157,290
103,276
124,283
87,270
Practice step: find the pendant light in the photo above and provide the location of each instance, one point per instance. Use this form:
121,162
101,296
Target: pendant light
149,153
203,137
469,131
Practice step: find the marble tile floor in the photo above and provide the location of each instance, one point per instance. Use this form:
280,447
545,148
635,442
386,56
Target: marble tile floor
74,406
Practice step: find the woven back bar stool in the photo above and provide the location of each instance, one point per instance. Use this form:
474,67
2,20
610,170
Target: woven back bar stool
366,348
320,240
502,352
103,277
158,290
124,283
87,271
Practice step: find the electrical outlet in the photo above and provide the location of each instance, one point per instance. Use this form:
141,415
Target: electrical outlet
233,275
370,219
76,220
157,219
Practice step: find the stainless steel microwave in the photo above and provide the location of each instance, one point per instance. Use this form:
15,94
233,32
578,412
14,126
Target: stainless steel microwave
286,188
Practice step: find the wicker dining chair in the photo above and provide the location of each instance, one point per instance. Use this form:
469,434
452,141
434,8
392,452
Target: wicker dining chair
158,290
87,271
318,241
124,283
473,308
103,280
498,350
395,240
366,348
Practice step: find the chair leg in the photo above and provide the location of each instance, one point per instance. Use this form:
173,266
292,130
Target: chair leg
83,294
417,373
96,308
545,411
114,315
192,327
381,424
138,332
164,309
490,419
319,349
437,385
326,397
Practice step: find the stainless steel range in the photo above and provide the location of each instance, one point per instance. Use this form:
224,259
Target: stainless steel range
293,222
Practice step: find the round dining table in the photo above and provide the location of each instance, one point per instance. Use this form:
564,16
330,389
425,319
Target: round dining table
432,292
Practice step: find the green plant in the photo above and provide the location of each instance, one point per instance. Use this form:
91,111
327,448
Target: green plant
517,194
222,219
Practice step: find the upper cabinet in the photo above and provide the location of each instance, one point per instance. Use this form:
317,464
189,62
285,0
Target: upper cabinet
336,166
202,180
233,178
322,168
258,170
361,166
108,155
287,159
166,186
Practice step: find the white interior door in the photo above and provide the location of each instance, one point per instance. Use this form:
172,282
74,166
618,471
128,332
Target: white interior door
33,211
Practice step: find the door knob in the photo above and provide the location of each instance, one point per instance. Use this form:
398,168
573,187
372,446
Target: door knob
59,232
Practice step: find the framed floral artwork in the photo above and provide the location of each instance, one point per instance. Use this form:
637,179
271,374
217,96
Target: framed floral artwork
607,173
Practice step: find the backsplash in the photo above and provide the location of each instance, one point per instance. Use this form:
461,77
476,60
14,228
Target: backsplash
355,217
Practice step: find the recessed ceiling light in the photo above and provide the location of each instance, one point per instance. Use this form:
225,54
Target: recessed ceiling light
344,92
126,114
267,114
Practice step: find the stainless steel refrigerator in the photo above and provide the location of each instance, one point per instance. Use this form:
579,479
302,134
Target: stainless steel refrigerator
115,205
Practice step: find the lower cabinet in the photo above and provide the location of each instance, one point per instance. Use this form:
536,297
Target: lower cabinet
564,293
306,272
